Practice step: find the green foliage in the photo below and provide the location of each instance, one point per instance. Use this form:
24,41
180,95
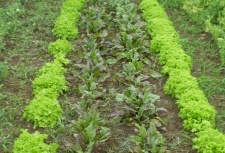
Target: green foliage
48,92
211,14
179,82
209,141
191,95
160,26
148,140
198,114
203,111
139,101
175,52
50,80
65,28
93,133
154,13
72,7
3,70
54,67
174,63
60,46
33,143
125,17
61,58
9,20
43,111
146,5
164,40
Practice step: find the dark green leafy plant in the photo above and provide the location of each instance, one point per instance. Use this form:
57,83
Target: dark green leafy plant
131,70
148,140
33,143
139,102
91,129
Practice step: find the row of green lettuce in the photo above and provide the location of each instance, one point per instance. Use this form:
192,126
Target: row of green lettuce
195,110
44,110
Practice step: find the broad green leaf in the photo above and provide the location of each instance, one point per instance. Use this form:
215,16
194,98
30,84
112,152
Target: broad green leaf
135,138
155,74
104,33
120,97
111,61
142,132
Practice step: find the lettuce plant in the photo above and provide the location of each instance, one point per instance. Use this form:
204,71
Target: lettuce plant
49,80
179,82
209,141
65,28
174,53
43,111
33,143
174,63
72,6
48,92
198,114
203,111
61,58
54,67
191,95
71,9
163,40
159,26
155,12
60,46
148,4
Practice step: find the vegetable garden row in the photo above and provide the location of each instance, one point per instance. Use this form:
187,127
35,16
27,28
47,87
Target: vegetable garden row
44,110
117,57
197,113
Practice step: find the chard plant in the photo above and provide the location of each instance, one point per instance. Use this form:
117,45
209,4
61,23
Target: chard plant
148,140
89,43
89,131
94,68
131,70
134,41
90,92
127,18
139,103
